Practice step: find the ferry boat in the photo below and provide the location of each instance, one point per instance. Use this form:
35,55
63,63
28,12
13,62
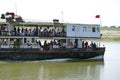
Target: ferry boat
21,40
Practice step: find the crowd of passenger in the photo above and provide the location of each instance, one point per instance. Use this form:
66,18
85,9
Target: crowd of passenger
46,32
86,45
46,45
50,45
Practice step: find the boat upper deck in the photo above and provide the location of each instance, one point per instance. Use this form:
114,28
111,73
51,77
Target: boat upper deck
49,29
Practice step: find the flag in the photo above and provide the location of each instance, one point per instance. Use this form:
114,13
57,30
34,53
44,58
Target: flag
97,16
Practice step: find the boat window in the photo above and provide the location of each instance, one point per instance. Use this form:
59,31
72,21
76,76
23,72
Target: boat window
25,40
84,29
98,29
93,29
89,29
73,29
33,40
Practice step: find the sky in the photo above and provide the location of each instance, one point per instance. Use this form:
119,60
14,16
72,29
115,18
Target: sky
69,11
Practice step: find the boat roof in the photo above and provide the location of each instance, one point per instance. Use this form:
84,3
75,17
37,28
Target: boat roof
45,23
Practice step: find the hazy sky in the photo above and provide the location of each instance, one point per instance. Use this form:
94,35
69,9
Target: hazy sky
75,11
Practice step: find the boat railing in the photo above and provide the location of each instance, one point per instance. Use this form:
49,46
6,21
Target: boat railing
33,34
22,49
19,49
19,46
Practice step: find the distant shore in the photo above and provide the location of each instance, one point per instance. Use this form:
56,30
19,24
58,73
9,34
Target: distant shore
110,34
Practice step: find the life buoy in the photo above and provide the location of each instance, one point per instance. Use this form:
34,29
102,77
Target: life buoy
81,53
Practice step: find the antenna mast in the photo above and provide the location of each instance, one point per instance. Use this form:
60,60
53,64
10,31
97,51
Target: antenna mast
16,8
62,16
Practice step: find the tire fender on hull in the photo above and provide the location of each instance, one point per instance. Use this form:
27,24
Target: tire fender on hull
81,53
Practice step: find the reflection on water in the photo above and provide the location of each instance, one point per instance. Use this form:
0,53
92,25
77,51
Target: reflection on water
51,70
65,70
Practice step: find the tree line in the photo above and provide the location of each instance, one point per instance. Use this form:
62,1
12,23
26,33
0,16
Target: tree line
111,26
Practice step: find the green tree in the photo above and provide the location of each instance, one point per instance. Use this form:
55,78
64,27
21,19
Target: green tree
112,26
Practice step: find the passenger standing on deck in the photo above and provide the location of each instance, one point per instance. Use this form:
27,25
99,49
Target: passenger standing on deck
18,31
82,44
86,44
91,44
75,44
70,45
51,45
40,45
15,31
28,43
94,45
45,45
40,32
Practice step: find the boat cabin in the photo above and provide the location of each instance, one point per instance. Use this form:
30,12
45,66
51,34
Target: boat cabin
52,34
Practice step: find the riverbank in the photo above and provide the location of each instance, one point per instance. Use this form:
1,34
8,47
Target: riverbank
110,34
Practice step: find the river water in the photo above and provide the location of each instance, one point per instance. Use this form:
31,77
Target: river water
62,69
